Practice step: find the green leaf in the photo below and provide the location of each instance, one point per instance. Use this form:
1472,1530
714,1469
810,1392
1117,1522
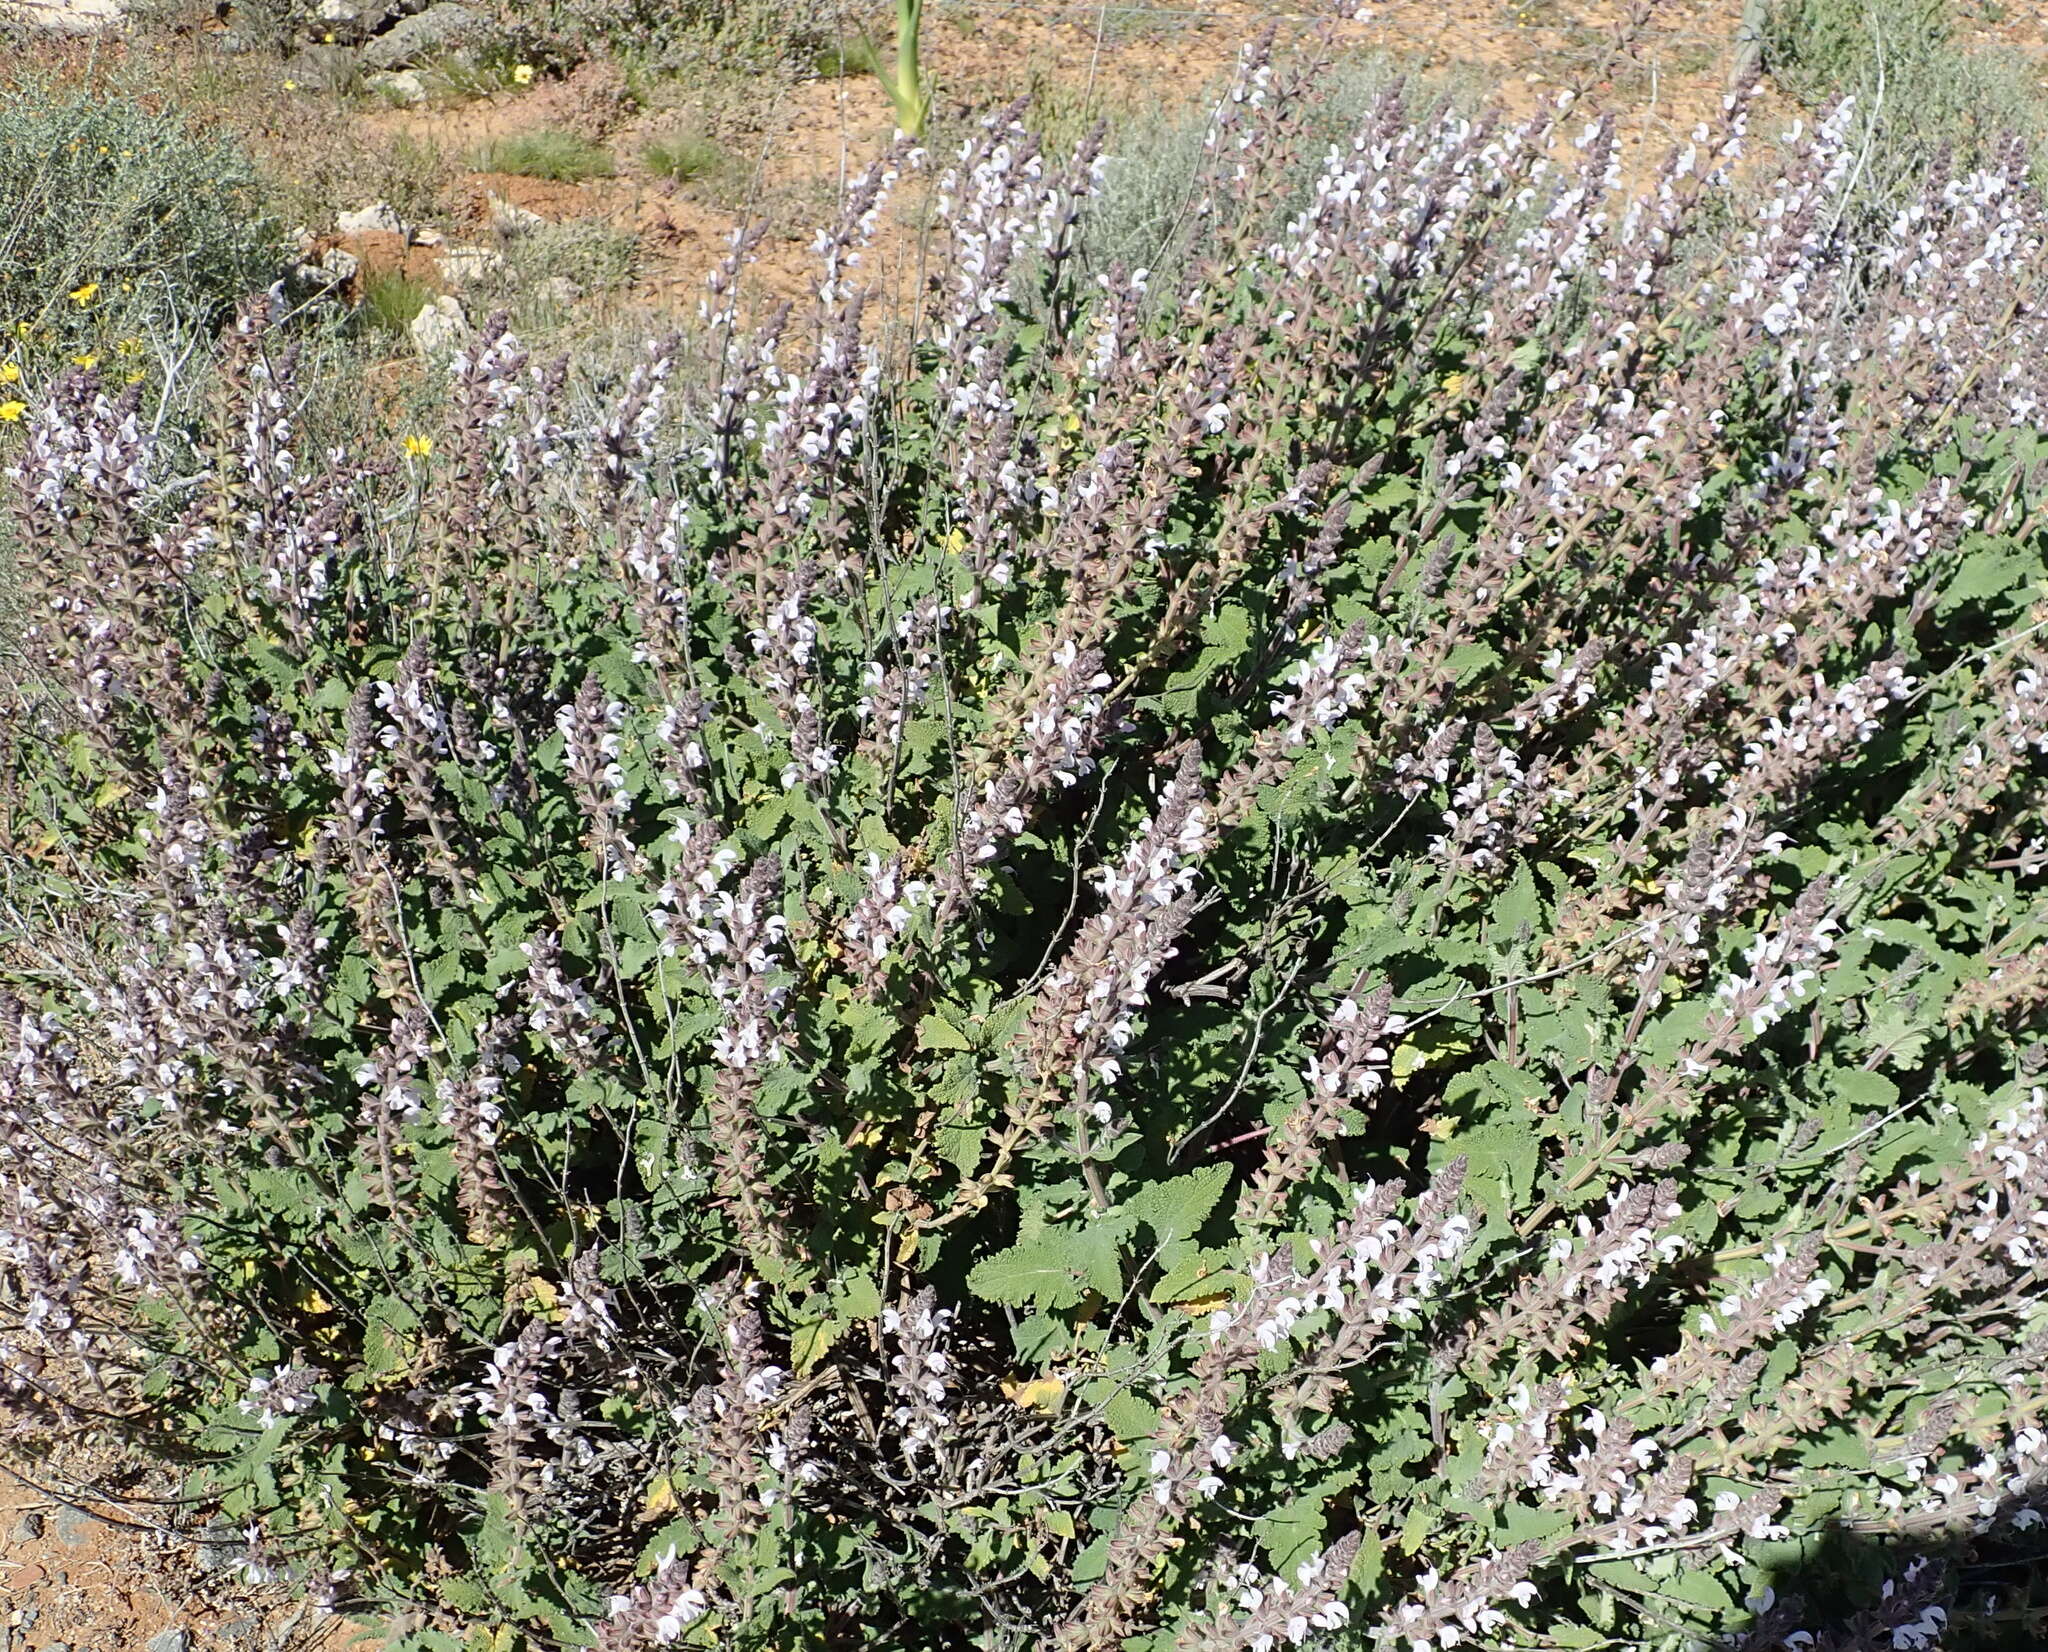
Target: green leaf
1091,1561
935,1032
1501,1163
1988,571
809,1343
1205,1274
1175,1209
859,1297
1130,1416
389,1333
1516,906
1293,1531
1699,1589
1054,1270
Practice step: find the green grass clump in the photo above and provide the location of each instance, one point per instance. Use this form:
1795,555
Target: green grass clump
683,158
849,56
391,299
560,157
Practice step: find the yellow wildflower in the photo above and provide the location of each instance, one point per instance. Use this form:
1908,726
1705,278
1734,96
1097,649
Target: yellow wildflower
12,411
128,347
137,378
82,296
419,446
522,74
10,372
291,86
85,361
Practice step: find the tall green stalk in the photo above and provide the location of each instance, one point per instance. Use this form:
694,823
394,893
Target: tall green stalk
908,92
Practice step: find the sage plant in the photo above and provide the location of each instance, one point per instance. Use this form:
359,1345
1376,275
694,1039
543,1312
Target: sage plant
1336,942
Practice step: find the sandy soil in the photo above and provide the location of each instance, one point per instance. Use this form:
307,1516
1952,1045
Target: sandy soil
135,1571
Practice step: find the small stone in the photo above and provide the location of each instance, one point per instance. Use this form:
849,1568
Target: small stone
358,19
336,267
74,1528
242,1632
438,29
403,87
219,1548
321,68
378,218
462,265
171,1640
71,16
508,219
440,327
30,1529
427,238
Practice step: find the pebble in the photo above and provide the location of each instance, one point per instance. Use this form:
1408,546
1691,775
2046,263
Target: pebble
30,1529
378,218
439,329
170,1640
219,1548
75,1528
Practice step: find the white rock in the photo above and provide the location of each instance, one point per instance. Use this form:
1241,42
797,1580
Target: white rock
427,237
71,16
462,265
402,86
335,267
508,219
433,33
440,327
338,264
379,218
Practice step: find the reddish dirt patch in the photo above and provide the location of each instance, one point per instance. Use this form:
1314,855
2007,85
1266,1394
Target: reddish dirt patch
378,252
125,1575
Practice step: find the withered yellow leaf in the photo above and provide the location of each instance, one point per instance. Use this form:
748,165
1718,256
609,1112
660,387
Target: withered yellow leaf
1041,1394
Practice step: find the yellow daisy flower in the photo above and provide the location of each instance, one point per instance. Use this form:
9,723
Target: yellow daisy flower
82,296
419,447
522,74
10,372
12,411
